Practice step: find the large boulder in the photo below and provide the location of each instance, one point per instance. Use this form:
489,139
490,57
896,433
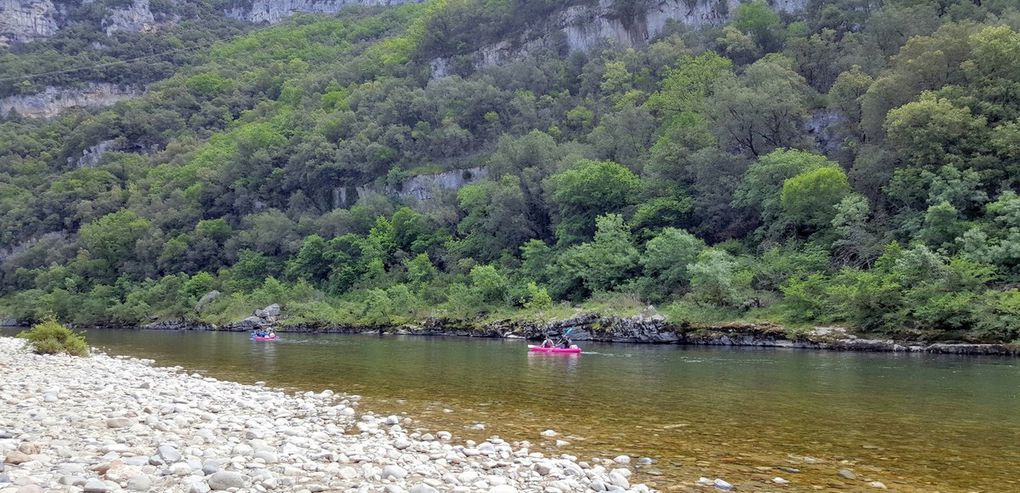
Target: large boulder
249,323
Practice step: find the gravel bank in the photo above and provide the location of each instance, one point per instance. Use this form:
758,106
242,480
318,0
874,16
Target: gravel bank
103,424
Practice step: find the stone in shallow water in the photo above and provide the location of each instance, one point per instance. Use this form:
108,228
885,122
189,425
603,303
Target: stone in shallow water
848,474
423,488
779,480
722,485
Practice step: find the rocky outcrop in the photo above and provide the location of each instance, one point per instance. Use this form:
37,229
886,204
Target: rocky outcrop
24,20
91,155
136,17
424,187
418,189
827,128
583,27
53,100
273,11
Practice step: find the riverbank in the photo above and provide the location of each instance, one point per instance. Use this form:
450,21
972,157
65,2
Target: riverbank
103,424
639,329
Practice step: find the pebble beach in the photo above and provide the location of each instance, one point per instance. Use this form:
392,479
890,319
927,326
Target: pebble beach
104,424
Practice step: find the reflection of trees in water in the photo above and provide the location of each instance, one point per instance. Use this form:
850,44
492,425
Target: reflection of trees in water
264,357
556,365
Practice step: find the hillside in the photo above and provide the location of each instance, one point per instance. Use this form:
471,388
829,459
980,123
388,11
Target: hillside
850,162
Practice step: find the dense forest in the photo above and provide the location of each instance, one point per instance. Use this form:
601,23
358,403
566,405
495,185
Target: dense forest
854,163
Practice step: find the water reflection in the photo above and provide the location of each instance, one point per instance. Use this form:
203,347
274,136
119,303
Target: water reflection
565,362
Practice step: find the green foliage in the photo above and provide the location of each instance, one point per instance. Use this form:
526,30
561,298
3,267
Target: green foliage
50,337
716,278
667,259
810,198
608,261
769,167
587,190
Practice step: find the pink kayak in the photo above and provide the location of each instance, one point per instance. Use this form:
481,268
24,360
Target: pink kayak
259,338
540,349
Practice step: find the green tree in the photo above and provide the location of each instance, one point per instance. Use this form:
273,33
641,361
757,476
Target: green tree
762,22
112,237
810,198
762,184
496,218
932,132
608,261
587,190
667,257
761,110
716,279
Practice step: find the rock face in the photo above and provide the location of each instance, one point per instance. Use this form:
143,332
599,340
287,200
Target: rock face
52,101
90,156
583,27
424,187
24,20
420,189
134,18
273,11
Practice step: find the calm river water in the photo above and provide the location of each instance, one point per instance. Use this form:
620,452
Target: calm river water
914,422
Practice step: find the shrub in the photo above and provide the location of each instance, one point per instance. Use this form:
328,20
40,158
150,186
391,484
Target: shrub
50,337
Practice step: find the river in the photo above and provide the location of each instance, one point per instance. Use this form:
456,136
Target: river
916,423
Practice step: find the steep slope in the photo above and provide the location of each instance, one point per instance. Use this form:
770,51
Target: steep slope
321,163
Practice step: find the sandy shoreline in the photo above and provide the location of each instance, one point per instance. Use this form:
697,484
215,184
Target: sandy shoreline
103,424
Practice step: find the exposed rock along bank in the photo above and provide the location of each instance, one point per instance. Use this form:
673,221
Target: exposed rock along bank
104,424
653,329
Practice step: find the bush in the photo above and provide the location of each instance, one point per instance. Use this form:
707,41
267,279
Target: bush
50,337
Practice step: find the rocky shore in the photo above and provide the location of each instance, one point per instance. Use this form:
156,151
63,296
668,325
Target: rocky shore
105,424
641,329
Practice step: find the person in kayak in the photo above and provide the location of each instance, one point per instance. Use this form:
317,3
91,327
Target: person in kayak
548,343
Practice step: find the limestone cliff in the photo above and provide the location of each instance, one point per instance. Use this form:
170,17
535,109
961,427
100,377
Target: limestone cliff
53,100
24,20
582,27
136,17
273,11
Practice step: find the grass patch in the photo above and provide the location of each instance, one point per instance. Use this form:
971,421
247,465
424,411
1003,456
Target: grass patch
50,337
